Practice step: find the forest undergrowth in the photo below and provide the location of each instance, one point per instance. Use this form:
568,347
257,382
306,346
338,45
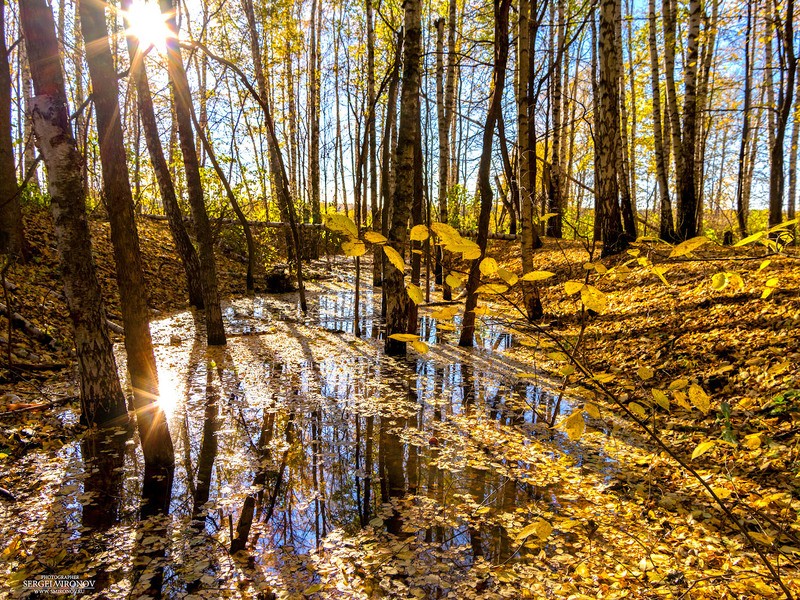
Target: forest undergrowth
498,503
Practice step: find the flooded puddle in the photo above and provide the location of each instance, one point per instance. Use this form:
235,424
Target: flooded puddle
332,470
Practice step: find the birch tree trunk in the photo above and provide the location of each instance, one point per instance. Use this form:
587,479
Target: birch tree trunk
153,429
313,115
102,400
403,197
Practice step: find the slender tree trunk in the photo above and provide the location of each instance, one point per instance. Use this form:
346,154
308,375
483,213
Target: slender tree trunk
153,428
669,11
555,201
607,137
377,273
634,113
791,208
183,244
666,225
785,96
444,148
215,330
12,234
704,97
394,279
741,208
27,130
501,9
626,202
313,115
102,400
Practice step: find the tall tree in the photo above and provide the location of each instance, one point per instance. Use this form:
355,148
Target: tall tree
785,96
501,9
141,360
313,115
394,279
169,199
741,207
607,137
555,200
666,224
12,236
102,400
215,330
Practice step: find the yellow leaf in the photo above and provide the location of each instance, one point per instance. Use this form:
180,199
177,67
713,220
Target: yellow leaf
488,266
660,398
541,528
566,370
593,298
394,258
454,281
752,441
634,252
781,226
373,237
445,326
558,357
527,375
547,217
588,266
341,223
680,398
735,280
659,272
750,239
469,250
719,281
603,377
574,424
637,409
600,268
688,246
721,492
419,233
764,264
445,232
678,384
770,286
404,337
492,288
420,346
483,311
510,278
699,399
573,287
354,248
702,448
645,373
446,313
537,275
415,293
592,410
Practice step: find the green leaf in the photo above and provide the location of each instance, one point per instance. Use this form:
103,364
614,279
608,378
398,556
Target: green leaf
394,258
702,448
688,246
537,275
415,293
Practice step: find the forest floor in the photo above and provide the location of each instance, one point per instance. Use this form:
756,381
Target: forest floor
496,502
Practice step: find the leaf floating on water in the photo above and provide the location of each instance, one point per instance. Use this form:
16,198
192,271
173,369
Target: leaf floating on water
415,293
394,258
574,425
702,448
540,528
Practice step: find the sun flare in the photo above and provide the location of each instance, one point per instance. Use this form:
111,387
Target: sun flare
148,25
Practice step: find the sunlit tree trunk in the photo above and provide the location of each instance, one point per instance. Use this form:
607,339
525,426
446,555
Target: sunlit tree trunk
377,272
555,201
501,9
791,208
27,131
12,235
444,150
102,400
704,99
141,360
403,197
313,115
666,225
215,331
183,244
626,201
785,96
607,137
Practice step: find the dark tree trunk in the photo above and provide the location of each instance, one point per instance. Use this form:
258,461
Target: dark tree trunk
501,8
215,330
102,400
